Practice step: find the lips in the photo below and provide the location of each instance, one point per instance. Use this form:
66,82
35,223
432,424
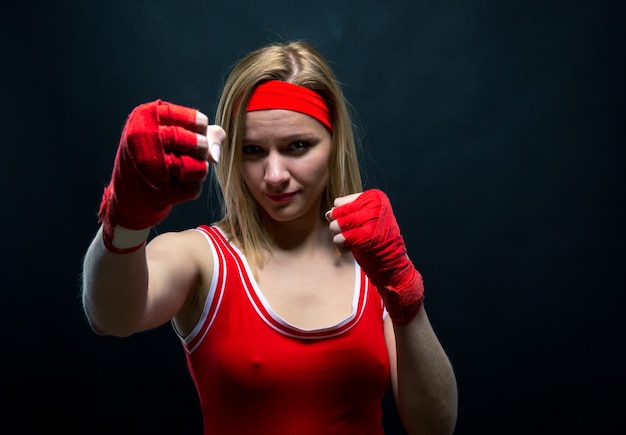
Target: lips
283,197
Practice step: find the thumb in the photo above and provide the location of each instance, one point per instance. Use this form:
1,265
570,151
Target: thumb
215,137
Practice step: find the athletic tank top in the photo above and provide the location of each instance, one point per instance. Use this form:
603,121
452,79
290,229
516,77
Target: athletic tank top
257,374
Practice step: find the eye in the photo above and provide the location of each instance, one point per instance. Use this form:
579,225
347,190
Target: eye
251,150
299,146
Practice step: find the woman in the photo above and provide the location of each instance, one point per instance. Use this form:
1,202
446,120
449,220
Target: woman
300,306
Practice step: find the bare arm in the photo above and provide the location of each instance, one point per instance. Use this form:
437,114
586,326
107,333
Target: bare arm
126,293
115,288
423,380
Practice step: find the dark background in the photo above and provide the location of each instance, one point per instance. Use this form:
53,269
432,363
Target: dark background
497,129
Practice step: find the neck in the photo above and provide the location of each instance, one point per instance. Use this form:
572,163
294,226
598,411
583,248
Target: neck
299,236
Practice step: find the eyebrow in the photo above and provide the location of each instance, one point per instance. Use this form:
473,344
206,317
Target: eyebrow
304,137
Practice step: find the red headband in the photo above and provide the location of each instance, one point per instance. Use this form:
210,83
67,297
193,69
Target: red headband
276,94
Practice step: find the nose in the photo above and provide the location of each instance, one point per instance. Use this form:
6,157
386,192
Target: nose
276,172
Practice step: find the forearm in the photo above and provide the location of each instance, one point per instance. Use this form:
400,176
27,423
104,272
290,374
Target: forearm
427,391
114,288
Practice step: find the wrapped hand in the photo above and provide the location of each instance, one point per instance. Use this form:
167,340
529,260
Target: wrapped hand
366,225
161,160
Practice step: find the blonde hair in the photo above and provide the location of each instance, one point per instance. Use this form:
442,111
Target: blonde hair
295,62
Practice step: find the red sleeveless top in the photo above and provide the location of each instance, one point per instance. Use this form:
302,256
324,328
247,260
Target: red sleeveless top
257,374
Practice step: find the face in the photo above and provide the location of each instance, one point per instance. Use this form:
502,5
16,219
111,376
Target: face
285,163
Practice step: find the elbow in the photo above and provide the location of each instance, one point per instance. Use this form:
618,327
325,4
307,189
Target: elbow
439,417
106,322
112,331
445,416
111,328
447,423
441,424
96,329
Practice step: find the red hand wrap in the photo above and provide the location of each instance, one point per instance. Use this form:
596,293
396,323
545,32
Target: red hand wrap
155,167
372,233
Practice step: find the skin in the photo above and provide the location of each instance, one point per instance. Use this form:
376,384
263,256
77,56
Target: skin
285,167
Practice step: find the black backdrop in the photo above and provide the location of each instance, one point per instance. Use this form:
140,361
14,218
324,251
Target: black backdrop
497,129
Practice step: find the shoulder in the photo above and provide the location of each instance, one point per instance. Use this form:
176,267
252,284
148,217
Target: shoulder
184,260
187,253
185,242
